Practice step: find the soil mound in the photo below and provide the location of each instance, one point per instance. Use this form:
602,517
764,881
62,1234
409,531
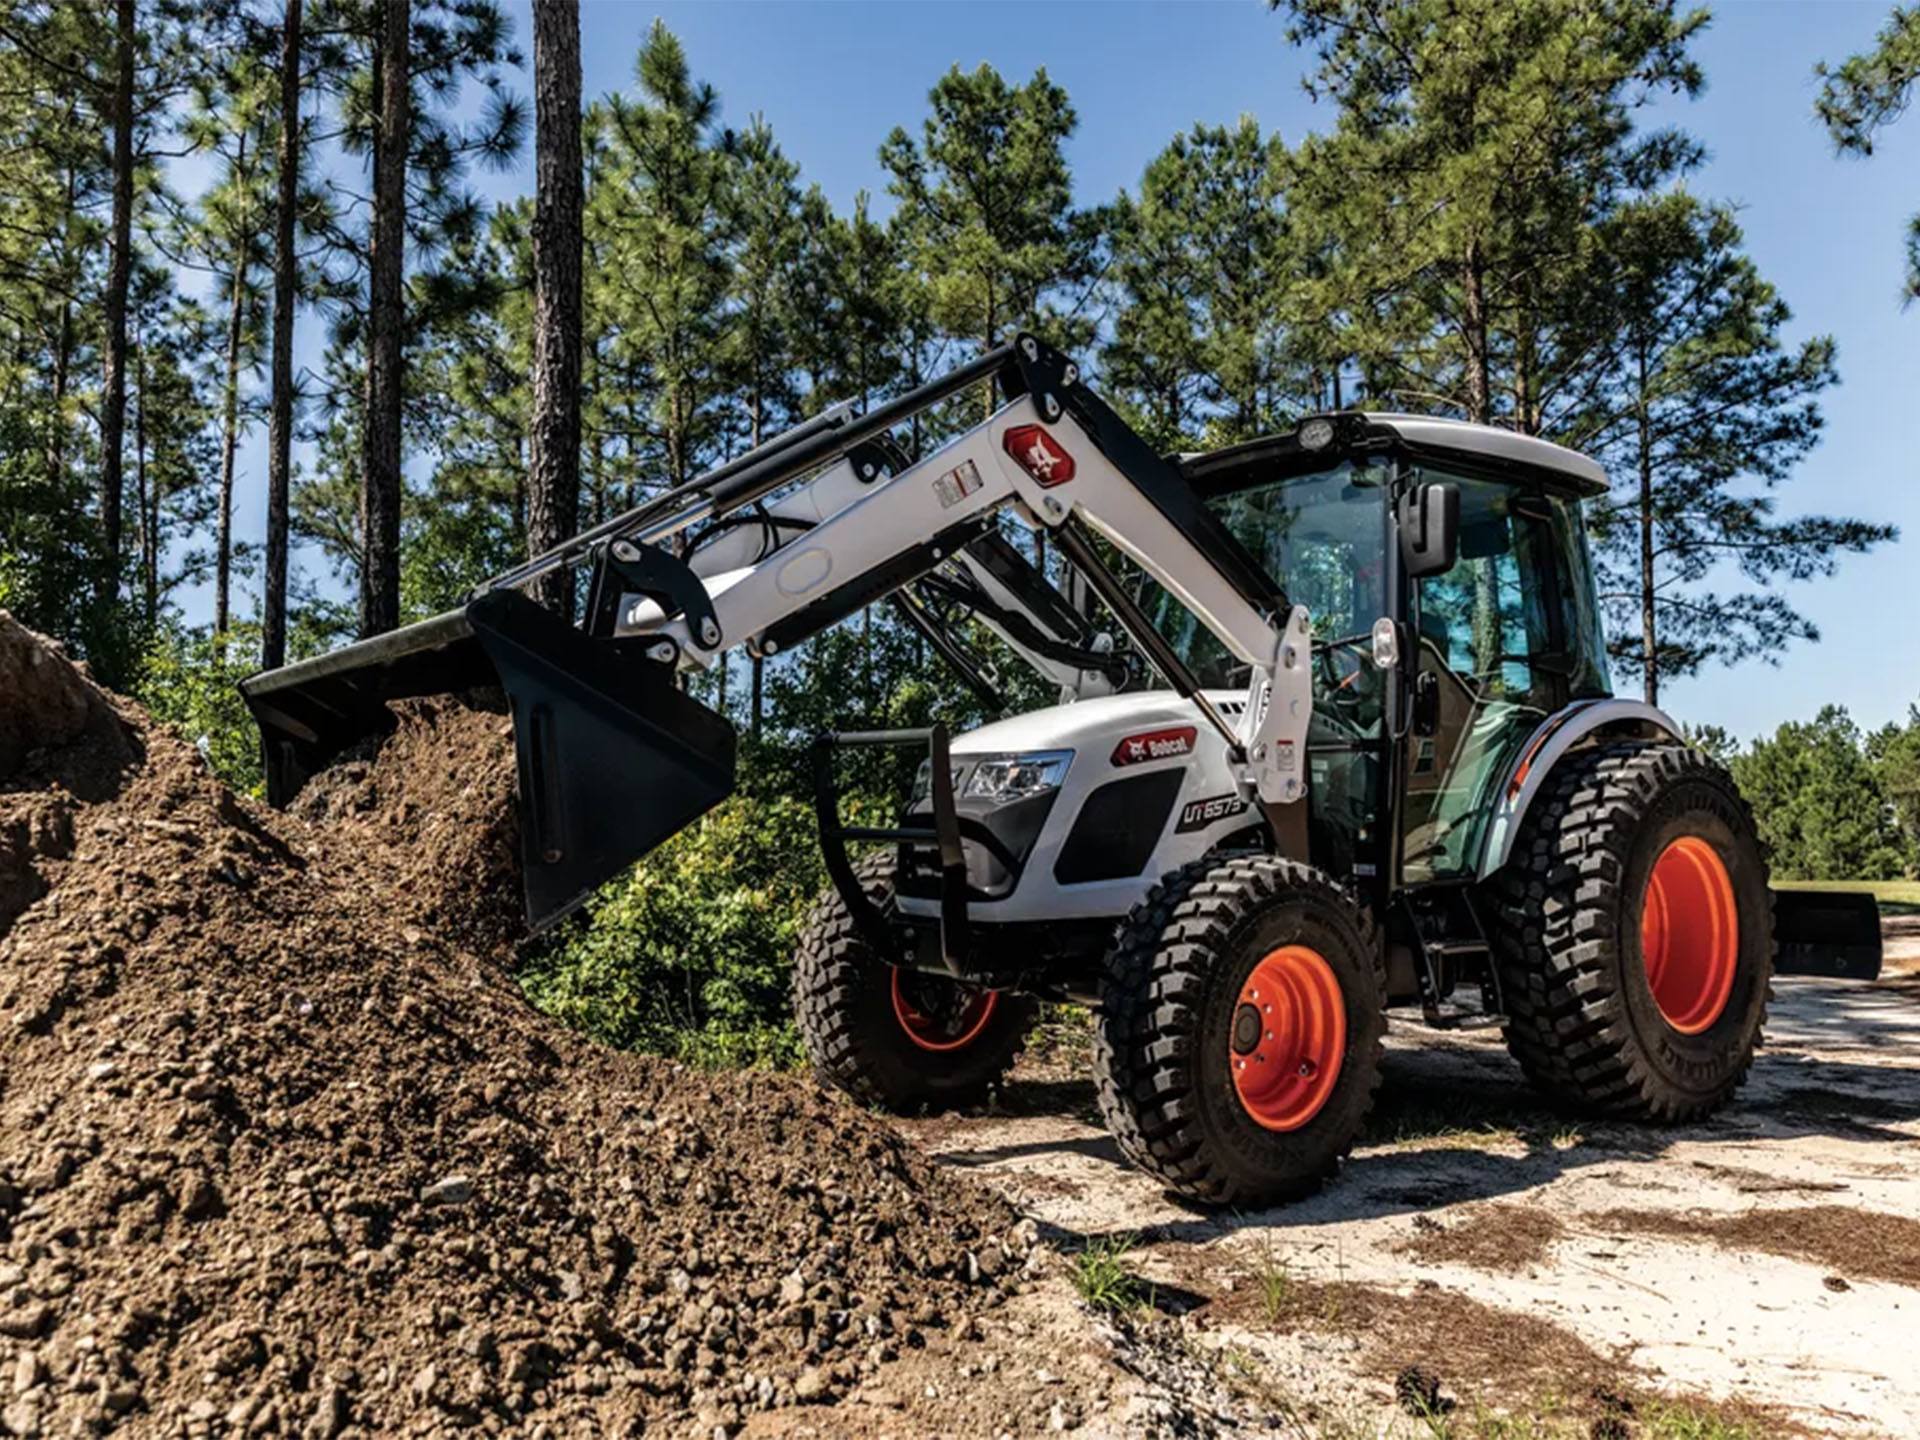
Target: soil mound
275,1158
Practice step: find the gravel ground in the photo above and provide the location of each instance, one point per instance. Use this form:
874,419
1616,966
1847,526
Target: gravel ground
1762,1268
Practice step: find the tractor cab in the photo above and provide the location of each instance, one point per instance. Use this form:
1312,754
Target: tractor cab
1407,762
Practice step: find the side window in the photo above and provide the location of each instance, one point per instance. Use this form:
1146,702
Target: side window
1493,615
1493,639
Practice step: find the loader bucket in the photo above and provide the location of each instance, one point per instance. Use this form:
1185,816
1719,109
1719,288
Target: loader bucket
612,757
1835,933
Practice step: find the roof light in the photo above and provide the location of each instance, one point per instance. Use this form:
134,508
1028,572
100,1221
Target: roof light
1040,455
1316,434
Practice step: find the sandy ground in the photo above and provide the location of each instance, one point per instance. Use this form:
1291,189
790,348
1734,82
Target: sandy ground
1613,1241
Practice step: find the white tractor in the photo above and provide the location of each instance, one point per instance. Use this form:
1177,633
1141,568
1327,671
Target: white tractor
1348,744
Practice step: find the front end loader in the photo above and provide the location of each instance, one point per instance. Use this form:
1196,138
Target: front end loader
1348,744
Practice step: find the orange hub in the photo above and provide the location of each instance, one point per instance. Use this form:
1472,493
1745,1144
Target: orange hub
1690,934
939,1015
1288,1037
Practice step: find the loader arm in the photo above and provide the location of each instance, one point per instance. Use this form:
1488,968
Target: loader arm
613,757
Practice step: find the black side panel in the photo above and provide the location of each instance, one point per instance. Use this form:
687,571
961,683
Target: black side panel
1835,933
1118,826
613,759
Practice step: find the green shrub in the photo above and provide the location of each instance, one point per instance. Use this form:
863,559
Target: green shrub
190,679
688,955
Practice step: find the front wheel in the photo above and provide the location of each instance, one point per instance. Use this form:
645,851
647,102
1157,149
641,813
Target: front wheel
1241,1016
1636,937
892,1037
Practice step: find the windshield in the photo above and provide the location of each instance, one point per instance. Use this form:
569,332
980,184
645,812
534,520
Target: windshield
1323,536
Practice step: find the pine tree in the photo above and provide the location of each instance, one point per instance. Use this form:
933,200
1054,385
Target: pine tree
1476,143
553,482
1203,263
1868,92
986,202
662,205
1701,410
232,123
286,290
407,123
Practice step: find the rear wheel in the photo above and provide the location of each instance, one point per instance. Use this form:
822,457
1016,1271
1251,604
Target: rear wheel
897,1038
1636,949
1238,1045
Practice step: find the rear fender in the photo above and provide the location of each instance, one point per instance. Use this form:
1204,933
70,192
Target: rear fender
1556,735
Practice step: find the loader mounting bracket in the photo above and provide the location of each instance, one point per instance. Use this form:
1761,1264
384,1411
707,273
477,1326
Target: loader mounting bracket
623,567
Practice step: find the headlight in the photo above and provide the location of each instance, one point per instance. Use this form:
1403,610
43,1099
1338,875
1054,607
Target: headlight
1006,778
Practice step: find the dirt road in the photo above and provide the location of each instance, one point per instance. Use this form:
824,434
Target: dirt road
1762,1268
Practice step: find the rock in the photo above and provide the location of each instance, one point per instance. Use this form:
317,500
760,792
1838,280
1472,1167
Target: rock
22,1420
812,1384
102,1070
27,1372
448,1190
28,1322
200,1198
329,1416
793,1288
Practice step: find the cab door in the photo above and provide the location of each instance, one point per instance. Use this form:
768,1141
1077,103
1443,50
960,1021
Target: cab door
1491,647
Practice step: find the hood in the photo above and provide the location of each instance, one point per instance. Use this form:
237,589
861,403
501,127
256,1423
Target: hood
1086,722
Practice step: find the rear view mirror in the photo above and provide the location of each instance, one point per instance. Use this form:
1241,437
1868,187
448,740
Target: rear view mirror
1428,518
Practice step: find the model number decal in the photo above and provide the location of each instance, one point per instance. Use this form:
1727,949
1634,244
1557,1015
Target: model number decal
1155,745
1199,814
957,484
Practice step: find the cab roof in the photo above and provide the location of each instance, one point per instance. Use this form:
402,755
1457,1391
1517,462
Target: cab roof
1482,446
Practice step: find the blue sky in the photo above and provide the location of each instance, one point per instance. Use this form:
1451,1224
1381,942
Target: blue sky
834,78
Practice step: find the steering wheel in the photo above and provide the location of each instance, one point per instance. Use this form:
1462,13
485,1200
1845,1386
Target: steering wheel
1343,690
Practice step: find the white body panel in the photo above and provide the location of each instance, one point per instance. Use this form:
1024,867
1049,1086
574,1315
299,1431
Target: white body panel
1092,729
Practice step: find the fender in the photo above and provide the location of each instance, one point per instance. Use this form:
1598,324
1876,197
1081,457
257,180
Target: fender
1556,735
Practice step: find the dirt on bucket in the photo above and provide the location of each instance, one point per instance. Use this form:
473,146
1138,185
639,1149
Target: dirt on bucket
283,1151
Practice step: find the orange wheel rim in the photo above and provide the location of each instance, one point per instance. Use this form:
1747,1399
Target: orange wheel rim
1690,934
942,1027
1288,1038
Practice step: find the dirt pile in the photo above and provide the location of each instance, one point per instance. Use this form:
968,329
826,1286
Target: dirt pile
275,1158
431,805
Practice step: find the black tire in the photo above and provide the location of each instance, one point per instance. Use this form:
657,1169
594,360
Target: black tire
1170,998
1582,1016
843,1001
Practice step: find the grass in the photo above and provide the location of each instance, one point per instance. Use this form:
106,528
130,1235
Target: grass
1104,1280
1273,1283
1896,897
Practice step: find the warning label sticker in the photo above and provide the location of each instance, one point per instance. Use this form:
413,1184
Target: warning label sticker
957,484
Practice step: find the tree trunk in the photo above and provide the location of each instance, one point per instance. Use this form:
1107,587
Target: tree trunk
147,502
1479,407
273,642
1649,632
759,695
113,399
380,476
230,422
553,482
62,351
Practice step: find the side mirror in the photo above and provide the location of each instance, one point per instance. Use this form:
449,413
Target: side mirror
1428,519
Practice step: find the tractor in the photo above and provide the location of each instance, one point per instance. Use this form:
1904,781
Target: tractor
1335,736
